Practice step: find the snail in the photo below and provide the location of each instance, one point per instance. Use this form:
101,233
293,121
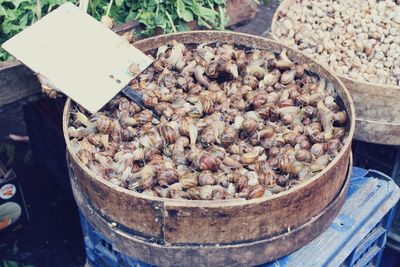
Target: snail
234,123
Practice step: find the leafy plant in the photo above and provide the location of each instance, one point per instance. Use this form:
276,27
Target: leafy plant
171,15
165,15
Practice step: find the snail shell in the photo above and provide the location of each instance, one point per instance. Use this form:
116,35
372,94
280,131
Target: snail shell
268,178
206,192
167,176
317,150
256,192
235,149
207,162
249,158
218,192
340,117
228,136
303,155
146,177
174,191
85,156
105,125
208,135
206,178
138,154
169,134
288,76
193,193
207,104
127,135
212,70
189,180
95,139
270,79
147,182
241,183
249,125
282,180
231,163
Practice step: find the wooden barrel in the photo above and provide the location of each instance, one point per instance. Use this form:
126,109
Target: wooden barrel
224,222
241,254
377,105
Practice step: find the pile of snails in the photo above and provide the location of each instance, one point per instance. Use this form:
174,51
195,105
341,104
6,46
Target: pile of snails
356,38
235,122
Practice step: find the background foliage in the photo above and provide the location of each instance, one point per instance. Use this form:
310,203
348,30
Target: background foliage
166,15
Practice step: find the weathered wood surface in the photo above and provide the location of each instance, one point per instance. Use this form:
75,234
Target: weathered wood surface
16,82
243,254
218,222
377,111
376,105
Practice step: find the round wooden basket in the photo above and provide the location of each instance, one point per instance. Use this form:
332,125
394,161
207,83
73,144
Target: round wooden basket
377,105
224,222
241,254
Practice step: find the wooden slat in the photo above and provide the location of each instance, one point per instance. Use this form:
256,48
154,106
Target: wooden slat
16,82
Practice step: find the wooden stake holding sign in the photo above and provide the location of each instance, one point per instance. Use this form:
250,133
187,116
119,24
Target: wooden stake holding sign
85,60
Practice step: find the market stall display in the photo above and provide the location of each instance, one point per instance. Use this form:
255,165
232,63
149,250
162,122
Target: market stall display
235,150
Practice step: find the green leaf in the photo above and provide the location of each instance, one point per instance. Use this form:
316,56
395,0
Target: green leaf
182,12
16,3
8,263
24,19
207,13
119,2
183,27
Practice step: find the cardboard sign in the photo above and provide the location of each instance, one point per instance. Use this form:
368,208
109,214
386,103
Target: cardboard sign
81,57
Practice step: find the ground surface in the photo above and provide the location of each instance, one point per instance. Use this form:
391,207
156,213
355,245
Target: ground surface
53,236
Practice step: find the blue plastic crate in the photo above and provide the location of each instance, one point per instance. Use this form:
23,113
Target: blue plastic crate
356,237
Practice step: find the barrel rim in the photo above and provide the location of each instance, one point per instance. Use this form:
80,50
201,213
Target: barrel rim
283,5
230,202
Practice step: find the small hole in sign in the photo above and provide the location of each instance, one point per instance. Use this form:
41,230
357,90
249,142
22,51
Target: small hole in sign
341,224
111,76
118,81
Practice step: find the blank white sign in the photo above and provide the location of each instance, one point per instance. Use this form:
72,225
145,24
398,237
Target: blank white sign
80,56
